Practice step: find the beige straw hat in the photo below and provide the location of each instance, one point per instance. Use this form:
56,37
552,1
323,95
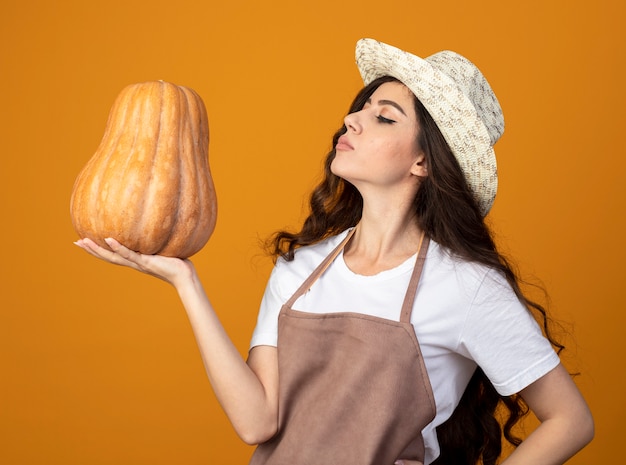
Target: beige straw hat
459,99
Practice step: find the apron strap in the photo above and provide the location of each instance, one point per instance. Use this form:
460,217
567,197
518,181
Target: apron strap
306,285
409,298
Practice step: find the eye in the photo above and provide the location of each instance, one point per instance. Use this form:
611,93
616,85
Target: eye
382,119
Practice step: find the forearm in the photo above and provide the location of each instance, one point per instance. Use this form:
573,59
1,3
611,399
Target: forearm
250,407
566,424
552,443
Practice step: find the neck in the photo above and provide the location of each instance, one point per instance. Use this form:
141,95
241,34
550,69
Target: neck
382,241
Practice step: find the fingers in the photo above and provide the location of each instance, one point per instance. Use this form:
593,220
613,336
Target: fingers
122,251
118,255
165,268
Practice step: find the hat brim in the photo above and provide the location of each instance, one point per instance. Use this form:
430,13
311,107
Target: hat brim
450,108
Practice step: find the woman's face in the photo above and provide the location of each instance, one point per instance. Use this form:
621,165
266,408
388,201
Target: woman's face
379,148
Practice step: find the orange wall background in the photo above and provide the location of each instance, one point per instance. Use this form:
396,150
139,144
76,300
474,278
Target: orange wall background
98,364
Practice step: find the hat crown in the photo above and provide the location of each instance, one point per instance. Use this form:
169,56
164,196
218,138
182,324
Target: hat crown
459,100
474,85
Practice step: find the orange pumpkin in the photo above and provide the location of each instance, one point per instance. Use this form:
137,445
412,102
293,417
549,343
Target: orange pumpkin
149,184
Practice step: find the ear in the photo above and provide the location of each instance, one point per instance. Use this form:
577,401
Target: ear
419,167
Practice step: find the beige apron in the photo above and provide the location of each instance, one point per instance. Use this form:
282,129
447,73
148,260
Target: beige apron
352,388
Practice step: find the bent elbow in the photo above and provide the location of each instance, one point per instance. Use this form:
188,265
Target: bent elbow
258,434
581,428
588,429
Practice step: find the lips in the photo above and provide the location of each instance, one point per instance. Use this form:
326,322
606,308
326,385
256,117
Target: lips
343,144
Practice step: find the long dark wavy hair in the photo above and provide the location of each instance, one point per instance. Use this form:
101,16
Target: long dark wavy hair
447,212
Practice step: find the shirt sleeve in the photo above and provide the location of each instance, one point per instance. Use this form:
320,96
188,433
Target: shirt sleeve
504,339
266,330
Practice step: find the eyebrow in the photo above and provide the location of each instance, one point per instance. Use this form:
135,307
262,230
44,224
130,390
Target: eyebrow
389,102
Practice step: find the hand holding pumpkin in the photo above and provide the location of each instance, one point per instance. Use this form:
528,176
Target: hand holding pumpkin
169,269
149,184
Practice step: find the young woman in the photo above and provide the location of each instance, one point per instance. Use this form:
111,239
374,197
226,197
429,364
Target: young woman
391,329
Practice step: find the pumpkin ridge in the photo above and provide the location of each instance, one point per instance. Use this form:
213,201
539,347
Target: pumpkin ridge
181,177
209,212
209,202
206,199
201,232
87,196
139,169
185,171
197,177
146,197
114,196
164,190
197,213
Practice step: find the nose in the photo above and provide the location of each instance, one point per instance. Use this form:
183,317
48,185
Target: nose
352,123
